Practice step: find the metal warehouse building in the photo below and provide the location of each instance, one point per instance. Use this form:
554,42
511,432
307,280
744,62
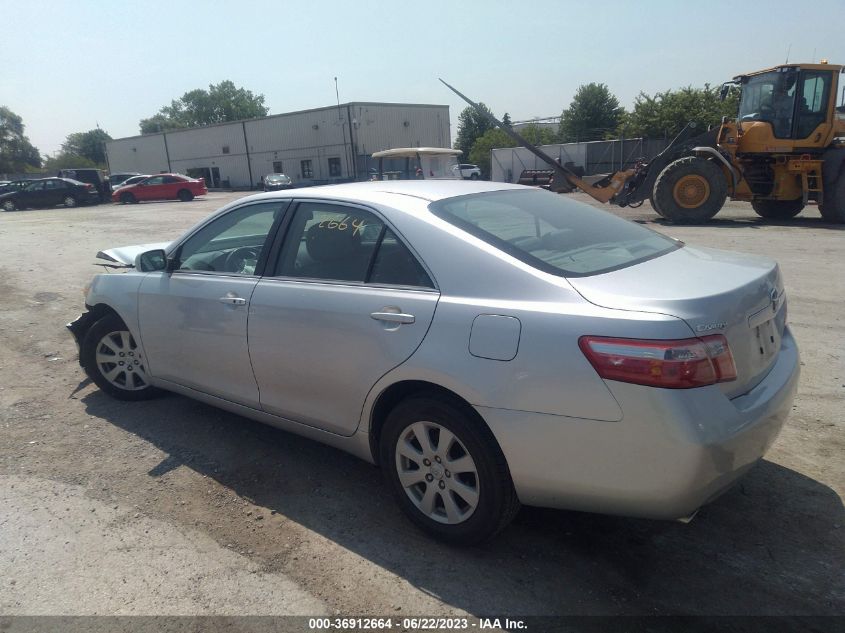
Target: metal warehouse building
319,146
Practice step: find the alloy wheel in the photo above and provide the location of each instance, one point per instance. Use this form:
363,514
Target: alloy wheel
437,472
120,361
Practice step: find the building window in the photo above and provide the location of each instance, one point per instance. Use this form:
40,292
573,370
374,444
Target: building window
307,172
334,168
225,149
277,167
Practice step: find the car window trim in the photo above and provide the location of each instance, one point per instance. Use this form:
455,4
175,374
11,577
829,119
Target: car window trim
277,251
272,235
351,284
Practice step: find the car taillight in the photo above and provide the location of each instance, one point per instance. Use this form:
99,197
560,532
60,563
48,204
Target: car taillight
675,364
89,186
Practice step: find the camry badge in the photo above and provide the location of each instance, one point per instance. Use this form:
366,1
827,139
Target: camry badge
710,326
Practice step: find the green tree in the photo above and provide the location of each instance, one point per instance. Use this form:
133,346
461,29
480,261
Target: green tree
220,103
471,126
593,113
506,120
90,145
538,134
481,150
16,152
64,160
666,113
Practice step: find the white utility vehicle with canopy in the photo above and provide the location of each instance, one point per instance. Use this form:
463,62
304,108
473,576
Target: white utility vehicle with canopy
417,163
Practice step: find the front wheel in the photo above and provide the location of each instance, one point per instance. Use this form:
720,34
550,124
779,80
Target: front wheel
9,205
690,190
473,176
185,196
777,209
446,470
114,361
127,198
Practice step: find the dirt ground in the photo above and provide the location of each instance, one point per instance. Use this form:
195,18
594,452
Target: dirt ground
173,507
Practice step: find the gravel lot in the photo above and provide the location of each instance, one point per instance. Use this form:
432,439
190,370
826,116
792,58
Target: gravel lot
173,507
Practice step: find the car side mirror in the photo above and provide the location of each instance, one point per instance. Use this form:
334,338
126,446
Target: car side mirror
151,261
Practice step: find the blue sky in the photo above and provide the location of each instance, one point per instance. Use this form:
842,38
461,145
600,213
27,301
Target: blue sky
67,66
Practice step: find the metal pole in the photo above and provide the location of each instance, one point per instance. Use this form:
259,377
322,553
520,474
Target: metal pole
342,128
246,147
166,152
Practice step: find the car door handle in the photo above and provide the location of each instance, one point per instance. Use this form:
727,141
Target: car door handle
232,301
393,317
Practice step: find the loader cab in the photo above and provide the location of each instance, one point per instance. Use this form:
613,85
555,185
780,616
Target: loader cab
793,100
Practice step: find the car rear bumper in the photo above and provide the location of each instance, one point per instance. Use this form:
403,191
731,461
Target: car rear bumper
672,452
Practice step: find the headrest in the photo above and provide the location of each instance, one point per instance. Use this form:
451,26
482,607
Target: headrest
325,244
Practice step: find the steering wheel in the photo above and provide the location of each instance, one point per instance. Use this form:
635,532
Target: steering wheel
236,261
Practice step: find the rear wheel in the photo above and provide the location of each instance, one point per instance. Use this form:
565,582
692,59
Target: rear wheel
113,360
473,176
185,195
70,201
777,209
127,198
833,207
9,205
446,470
690,190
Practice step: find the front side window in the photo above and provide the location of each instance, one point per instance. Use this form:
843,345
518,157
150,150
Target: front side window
307,172
340,243
36,186
155,180
232,243
552,233
770,97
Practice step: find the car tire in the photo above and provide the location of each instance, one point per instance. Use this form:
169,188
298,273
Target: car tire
473,176
690,190
123,378
467,506
185,196
778,209
70,202
9,205
127,198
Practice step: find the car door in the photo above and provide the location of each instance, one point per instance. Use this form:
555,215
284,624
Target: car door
150,189
345,303
32,195
193,320
54,192
170,187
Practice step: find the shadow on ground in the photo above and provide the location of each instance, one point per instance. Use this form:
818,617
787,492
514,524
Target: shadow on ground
772,545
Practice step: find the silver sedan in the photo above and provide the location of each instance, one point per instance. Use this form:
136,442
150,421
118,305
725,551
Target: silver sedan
485,344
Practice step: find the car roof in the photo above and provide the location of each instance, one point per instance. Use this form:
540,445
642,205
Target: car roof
373,191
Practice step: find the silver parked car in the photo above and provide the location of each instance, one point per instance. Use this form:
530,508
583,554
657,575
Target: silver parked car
486,344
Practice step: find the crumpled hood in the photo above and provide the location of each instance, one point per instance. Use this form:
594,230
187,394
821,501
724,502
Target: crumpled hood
126,254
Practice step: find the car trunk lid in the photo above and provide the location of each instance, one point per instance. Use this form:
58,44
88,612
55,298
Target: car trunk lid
714,292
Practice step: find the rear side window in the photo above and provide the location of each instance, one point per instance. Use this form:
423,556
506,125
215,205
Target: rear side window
340,243
552,233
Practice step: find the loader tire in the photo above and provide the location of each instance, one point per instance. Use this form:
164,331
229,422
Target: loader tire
653,203
777,209
833,207
690,190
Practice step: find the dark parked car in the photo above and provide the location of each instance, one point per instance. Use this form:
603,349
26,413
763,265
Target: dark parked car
48,192
96,177
275,182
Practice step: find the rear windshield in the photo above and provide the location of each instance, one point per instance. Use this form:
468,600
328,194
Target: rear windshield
553,233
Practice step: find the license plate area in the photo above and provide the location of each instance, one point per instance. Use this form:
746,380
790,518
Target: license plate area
767,339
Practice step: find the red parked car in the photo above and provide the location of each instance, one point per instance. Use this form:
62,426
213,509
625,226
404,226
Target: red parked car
161,187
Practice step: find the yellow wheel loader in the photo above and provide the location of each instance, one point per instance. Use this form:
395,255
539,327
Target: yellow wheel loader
785,149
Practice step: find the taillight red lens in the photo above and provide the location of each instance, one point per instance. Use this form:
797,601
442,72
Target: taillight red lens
671,364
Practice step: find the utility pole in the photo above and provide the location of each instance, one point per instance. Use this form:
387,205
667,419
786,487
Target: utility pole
342,128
